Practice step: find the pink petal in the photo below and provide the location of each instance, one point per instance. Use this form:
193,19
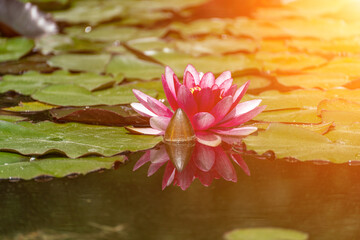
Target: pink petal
186,177
142,110
208,139
240,93
154,167
223,77
190,68
142,97
242,108
171,97
207,81
204,157
158,108
186,101
225,86
223,166
243,118
169,175
146,131
169,77
231,91
205,100
159,155
242,131
222,108
144,159
240,161
203,121
159,123
189,81
205,178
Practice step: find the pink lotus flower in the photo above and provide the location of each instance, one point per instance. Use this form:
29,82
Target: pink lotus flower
212,105
206,164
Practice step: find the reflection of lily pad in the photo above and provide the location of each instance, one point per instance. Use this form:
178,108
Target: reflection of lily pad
81,62
30,82
73,139
133,67
14,48
73,95
15,166
266,234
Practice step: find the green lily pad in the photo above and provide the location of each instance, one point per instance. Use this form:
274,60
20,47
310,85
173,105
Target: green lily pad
290,116
73,95
49,5
11,118
34,62
81,62
15,166
266,234
215,64
31,82
92,12
216,46
100,115
62,43
302,144
213,26
14,48
132,67
72,139
29,107
111,32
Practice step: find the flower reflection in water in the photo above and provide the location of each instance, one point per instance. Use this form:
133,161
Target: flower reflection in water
184,162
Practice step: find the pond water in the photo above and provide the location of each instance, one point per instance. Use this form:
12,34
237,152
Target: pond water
65,99
321,200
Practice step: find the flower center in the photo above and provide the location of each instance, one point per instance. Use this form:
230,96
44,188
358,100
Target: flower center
197,88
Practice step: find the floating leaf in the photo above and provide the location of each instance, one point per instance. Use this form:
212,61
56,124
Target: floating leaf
320,128
81,62
72,139
132,67
336,47
348,134
340,111
346,66
254,28
290,116
201,27
306,99
14,48
92,12
321,28
62,43
29,107
302,144
216,46
30,82
34,62
265,234
286,61
111,32
11,118
100,115
215,64
320,80
15,166
73,95
255,81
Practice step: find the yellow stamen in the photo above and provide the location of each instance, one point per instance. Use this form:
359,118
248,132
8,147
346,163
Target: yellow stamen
192,90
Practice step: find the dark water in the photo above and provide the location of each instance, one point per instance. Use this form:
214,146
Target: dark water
322,200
